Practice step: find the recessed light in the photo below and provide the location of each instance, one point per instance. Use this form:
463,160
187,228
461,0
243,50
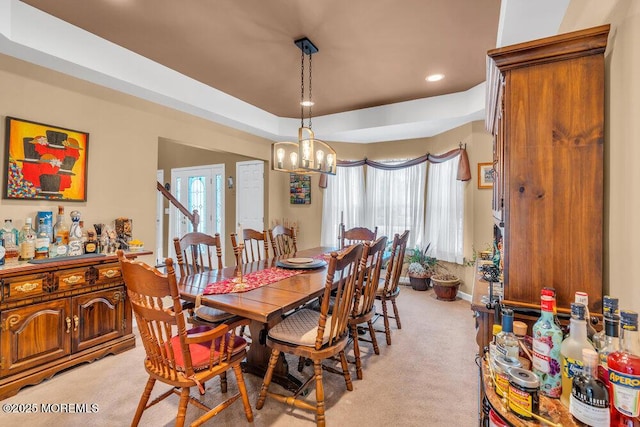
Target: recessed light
307,103
434,77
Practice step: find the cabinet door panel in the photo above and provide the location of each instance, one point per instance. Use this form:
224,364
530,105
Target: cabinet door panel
98,317
34,335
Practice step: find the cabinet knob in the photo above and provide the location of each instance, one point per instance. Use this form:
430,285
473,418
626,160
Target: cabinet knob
76,322
68,320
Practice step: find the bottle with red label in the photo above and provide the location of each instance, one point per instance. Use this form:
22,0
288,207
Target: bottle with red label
624,374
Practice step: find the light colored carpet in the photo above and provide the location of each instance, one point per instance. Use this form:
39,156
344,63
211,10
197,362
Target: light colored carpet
427,377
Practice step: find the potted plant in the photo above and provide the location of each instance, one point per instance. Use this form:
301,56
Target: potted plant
445,285
421,268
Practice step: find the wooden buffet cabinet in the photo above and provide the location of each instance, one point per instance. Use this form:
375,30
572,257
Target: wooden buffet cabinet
545,108
58,314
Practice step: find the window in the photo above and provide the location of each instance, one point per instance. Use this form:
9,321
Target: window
395,201
343,201
445,211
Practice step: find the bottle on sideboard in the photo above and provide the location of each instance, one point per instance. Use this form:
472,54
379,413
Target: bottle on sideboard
589,400
571,349
624,374
27,241
91,245
9,234
547,339
552,292
2,251
611,343
61,228
76,247
42,240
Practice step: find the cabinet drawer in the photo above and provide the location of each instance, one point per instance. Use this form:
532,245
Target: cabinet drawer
24,286
109,272
67,279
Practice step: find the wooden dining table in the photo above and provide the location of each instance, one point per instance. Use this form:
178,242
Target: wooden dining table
265,306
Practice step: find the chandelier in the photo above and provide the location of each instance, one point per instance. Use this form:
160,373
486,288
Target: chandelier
308,154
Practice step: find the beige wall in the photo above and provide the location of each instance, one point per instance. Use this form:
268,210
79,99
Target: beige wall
622,139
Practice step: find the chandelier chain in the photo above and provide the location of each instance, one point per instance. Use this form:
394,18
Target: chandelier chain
302,88
310,96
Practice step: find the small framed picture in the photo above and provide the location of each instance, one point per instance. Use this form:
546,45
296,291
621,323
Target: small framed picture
485,175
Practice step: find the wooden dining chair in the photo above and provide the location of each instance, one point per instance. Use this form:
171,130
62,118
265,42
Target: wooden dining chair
317,335
176,356
195,254
390,288
256,245
356,235
284,241
365,297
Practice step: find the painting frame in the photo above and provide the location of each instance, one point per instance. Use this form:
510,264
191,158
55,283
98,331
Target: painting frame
44,162
299,189
485,175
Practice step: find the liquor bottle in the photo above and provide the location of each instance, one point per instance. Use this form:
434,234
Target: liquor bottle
85,233
547,339
61,228
552,292
42,240
91,245
589,402
10,236
611,343
75,235
506,341
571,349
609,308
583,298
59,248
2,251
524,353
624,374
27,239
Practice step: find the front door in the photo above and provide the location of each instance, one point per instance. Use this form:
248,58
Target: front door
197,188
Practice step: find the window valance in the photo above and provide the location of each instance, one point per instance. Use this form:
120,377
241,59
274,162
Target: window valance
464,171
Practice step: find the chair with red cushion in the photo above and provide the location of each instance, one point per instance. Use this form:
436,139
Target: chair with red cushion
176,356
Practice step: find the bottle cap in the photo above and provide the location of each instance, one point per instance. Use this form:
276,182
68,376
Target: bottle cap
496,329
548,291
609,305
520,328
577,310
629,320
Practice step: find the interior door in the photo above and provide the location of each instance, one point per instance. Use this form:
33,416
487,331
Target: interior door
250,194
198,188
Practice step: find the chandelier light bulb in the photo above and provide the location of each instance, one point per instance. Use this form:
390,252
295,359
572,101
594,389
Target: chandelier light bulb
294,159
306,150
329,161
280,154
320,158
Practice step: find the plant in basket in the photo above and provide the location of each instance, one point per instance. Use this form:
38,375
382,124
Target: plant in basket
421,268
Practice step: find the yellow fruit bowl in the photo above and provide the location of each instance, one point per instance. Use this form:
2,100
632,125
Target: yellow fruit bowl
136,245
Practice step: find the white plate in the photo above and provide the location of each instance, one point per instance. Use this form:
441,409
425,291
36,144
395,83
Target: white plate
300,260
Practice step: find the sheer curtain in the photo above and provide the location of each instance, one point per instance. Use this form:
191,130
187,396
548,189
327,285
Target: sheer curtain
445,211
395,201
343,197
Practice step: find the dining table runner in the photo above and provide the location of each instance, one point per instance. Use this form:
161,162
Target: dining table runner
250,281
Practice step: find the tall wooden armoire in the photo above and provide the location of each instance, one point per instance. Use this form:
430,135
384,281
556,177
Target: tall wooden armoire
545,108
